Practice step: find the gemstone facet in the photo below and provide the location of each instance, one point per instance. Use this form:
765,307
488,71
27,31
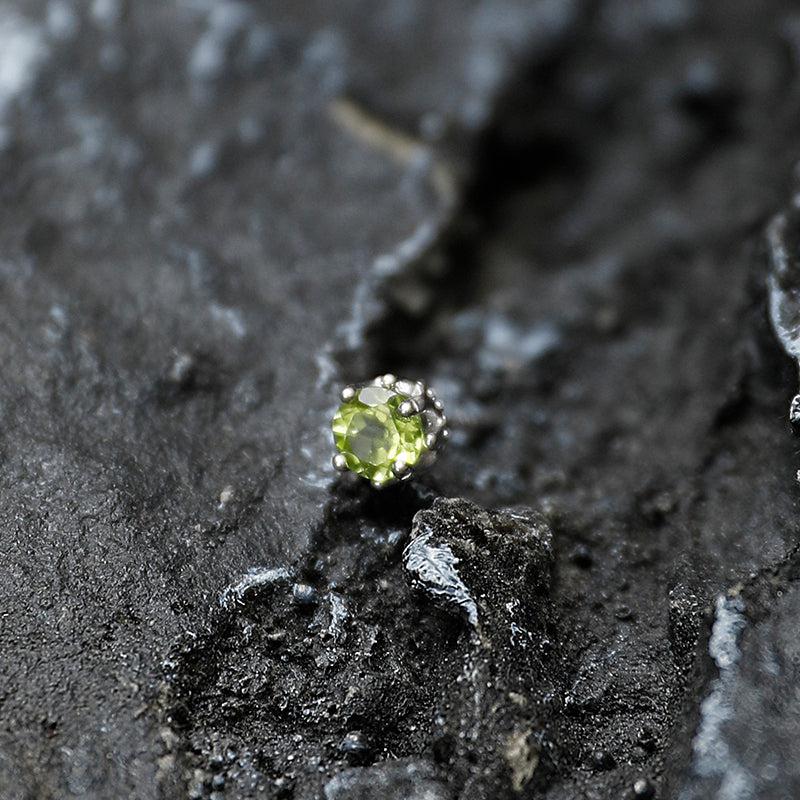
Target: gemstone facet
374,437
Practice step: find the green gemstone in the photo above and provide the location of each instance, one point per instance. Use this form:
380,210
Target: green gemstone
372,435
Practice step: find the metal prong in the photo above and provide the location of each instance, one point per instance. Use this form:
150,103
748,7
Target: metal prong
400,468
413,389
348,393
339,462
430,440
432,421
445,433
407,408
379,484
438,405
388,380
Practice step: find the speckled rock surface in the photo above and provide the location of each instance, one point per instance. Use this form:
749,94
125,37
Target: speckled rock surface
312,687
216,213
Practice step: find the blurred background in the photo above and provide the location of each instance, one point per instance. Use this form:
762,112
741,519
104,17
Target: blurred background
214,214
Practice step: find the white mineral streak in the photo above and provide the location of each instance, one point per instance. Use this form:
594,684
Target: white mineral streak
256,577
22,50
712,756
434,570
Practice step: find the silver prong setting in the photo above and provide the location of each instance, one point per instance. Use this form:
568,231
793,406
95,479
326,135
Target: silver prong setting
400,469
414,390
408,408
415,399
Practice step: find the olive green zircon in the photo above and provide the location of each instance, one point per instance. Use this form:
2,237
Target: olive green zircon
372,436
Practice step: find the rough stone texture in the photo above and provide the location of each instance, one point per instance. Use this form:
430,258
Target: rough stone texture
275,693
214,214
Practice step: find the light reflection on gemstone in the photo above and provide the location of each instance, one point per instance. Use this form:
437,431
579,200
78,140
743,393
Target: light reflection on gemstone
372,436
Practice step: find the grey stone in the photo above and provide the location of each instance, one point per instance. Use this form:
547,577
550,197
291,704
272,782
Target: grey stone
217,214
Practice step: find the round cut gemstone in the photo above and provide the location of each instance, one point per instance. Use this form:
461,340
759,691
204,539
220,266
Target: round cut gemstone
372,436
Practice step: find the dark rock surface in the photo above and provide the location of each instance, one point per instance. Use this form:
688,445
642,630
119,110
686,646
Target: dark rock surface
214,214
269,688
